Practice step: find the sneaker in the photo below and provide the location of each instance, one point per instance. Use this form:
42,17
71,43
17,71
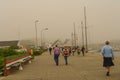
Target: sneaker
66,64
56,64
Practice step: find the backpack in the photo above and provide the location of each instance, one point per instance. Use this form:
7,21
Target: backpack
66,52
56,51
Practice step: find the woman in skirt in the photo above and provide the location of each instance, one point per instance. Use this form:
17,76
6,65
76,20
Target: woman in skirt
108,57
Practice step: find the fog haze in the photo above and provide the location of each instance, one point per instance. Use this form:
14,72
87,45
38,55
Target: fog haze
17,19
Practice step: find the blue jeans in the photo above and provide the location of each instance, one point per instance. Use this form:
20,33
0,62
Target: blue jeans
66,61
56,58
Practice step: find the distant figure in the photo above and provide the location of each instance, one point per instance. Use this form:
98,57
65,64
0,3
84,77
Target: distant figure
108,56
31,52
69,50
50,50
66,54
73,51
83,50
61,50
78,50
56,55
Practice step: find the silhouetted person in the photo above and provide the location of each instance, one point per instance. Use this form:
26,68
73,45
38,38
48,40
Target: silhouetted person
83,50
70,51
78,50
50,50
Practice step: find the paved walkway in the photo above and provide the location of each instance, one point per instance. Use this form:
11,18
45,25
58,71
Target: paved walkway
88,67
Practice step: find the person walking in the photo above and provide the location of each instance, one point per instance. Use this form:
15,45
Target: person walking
78,50
70,52
83,50
73,51
50,50
56,55
108,57
66,54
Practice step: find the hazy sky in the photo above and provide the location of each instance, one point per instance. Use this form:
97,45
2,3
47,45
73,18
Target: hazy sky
18,17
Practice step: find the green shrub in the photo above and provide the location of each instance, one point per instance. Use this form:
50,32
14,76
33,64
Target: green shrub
38,52
1,61
1,64
14,56
8,52
14,47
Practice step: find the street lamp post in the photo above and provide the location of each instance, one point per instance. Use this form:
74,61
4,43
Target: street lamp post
36,33
82,34
85,30
42,35
74,35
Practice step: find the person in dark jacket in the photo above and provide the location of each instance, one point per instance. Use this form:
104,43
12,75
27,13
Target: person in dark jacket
78,50
50,50
83,50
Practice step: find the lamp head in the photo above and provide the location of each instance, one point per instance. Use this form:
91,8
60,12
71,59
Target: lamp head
46,28
36,20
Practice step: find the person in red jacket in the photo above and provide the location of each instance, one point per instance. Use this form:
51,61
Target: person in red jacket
66,54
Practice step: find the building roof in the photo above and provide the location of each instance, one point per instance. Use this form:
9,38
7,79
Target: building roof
9,43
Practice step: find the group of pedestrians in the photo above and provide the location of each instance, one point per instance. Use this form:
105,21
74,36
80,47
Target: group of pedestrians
74,50
65,51
107,53
57,52
81,50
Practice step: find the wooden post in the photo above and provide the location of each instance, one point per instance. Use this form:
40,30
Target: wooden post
5,73
82,34
85,30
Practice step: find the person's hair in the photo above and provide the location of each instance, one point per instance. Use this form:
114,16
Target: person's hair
56,45
107,42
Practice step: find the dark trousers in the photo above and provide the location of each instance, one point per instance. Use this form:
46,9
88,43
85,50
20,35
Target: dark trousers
83,53
73,52
50,52
66,61
78,53
56,58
